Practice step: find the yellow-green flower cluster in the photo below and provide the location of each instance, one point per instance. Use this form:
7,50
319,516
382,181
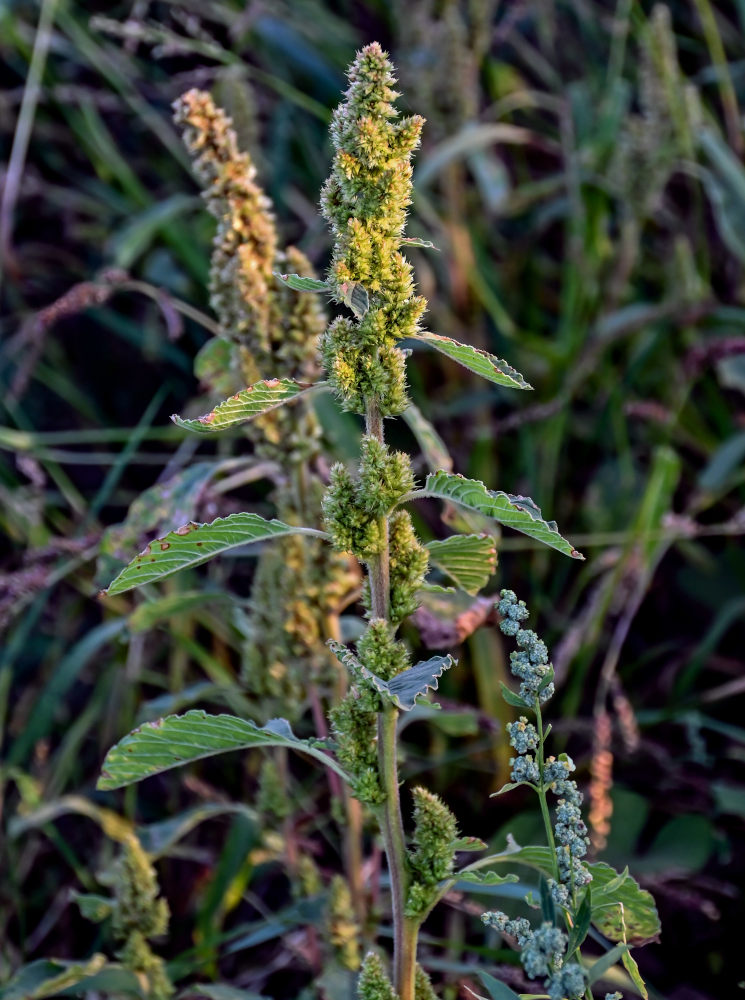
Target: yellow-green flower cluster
139,914
273,331
366,200
431,861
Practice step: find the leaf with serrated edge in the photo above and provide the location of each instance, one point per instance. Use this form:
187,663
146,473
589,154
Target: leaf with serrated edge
249,403
178,739
469,560
480,362
194,544
300,284
516,512
409,685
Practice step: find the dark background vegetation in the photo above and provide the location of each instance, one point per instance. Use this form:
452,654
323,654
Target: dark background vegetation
590,218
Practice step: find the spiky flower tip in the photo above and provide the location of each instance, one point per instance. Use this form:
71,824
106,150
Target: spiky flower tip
245,245
373,983
431,861
139,914
365,200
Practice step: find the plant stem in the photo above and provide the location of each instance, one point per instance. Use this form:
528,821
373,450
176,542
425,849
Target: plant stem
405,931
542,792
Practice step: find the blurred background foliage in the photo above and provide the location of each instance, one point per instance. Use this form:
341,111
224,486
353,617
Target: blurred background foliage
582,176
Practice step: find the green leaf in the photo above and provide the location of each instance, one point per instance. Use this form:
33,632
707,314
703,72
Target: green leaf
262,397
515,512
92,906
506,788
469,844
486,365
404,689
48,977
513,699
159,746
620,908
433,447
159,838
598,969
629,964
497,989
194,544
484,878
469,560
300,284
582,921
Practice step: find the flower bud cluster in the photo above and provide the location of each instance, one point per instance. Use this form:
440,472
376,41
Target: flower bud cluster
550,773
373,983
530,663
270,331
354,512
365,200
431,861
139,914
542,954
570,831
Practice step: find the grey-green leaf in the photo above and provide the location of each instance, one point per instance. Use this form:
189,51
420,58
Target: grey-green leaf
246,405
404,689
194,544
300,284
409,685
475,360
469,560
517,512
178,739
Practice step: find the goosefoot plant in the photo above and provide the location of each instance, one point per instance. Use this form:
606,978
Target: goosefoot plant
365,201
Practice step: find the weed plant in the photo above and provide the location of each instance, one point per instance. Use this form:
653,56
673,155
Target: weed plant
591,165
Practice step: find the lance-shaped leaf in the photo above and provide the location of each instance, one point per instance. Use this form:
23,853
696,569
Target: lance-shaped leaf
246,405
481,362
159,746
194,544
469,560
404,689
300,284
512,511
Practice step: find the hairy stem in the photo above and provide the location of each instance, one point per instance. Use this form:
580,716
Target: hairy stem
405,931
